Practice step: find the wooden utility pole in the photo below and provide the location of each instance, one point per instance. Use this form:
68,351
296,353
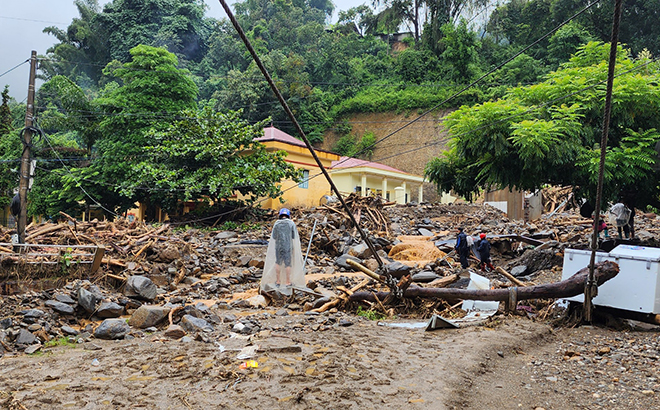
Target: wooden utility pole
26,139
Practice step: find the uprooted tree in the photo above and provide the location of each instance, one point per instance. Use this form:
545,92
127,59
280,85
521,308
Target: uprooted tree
549,133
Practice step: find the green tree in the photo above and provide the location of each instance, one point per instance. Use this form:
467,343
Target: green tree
152,93
548,133
66,107
213,156
178,25
82,51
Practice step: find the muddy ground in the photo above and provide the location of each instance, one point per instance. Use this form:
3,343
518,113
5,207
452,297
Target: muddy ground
330,359
510,362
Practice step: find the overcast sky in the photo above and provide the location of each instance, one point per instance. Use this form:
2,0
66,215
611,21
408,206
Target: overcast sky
22,22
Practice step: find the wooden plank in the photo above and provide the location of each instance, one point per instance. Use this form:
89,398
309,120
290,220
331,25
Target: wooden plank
98,258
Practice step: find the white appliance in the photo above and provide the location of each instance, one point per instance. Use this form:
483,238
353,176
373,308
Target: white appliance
635,288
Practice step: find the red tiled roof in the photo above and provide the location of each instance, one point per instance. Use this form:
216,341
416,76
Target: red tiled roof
346,162
273,134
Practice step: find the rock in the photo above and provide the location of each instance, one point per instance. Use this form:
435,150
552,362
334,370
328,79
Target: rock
425,276
226,235
193,324
87,300
397,269
258,301
67,330
33,328
112,329
25,338
228,318
360,251
175,332
148,315
257,263
519,270
140,287
341,261
425,232
244,260
644,235
59,307
168,255
6,323
61,297
186,339
33,348
34,313
345,323
91,346
109,309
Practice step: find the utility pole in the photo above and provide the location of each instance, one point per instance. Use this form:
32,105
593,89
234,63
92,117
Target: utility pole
591,287
26,139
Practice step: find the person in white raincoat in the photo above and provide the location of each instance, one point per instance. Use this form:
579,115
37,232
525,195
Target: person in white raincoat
283,268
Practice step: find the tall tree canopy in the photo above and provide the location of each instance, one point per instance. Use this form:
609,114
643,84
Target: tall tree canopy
548,133
209,155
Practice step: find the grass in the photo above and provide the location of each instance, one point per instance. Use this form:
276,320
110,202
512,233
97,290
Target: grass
369,314
60,341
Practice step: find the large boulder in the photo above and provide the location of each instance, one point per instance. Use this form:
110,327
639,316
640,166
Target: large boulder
59,307
147,316
193,324
140,287
112,329
397,269
87,300
109,310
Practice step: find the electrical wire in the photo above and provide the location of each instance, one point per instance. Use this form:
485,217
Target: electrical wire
73,176
15,67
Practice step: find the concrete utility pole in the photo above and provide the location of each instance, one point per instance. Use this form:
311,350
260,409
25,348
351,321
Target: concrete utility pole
26,139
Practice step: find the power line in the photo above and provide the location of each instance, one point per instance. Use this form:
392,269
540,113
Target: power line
33,20
15,67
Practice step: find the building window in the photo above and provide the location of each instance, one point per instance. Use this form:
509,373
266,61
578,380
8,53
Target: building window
305,180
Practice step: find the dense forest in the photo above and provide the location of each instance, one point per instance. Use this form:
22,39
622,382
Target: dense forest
147,99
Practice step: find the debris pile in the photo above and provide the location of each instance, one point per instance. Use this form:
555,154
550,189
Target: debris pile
185,283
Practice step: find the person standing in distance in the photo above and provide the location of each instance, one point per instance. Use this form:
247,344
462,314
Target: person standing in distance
462,248
283,267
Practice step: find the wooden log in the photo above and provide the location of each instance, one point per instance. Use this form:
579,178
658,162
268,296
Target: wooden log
47,229
114,262
572,286
443,282
365,270
509,276
341,298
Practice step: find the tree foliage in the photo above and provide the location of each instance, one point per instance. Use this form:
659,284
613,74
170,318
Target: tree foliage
210,155
548,133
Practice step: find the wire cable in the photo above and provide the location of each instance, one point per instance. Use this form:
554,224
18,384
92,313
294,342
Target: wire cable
15,67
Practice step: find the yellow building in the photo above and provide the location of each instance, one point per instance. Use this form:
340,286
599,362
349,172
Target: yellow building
314,186
373,178
348,174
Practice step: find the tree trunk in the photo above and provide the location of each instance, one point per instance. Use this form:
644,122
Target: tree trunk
572,286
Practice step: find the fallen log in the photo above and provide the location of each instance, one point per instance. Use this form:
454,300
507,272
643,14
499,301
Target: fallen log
572,286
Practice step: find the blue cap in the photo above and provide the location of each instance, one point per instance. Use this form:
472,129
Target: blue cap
286,212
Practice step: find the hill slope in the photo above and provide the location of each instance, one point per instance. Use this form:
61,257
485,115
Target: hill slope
408,149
